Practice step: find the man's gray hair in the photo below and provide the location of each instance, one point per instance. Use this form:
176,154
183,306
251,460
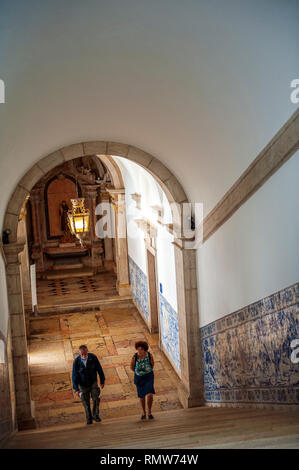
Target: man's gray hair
83,346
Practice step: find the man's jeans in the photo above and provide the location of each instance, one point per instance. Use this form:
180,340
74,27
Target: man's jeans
94,391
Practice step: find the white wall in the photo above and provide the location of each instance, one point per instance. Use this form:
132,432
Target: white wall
255,253
137,180
166,266
202,85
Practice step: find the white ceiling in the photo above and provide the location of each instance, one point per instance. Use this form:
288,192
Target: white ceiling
202,85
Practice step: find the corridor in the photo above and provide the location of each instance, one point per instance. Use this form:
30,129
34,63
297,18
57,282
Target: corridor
110,333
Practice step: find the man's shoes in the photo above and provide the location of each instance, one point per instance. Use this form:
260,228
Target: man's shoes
97,419
89,421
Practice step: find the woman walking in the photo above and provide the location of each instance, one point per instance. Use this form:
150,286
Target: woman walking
142,365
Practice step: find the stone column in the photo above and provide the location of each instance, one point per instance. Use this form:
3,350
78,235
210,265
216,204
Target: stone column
12,387
90,194
24,406
37,253
36,209
24,259
121,245
191,387
108,241
43,223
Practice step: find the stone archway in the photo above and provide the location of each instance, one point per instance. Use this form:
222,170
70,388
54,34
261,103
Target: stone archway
191,385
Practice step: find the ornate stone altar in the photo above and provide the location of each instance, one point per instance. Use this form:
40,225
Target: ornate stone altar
52,246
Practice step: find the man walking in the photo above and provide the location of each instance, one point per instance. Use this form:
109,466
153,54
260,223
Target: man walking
85,369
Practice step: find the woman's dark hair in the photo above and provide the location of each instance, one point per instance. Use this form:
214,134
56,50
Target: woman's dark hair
141,344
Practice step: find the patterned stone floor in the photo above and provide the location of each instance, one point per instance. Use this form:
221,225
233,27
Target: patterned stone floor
52,292
110,334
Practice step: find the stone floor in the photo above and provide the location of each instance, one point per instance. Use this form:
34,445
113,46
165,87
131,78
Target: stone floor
109,333
52,292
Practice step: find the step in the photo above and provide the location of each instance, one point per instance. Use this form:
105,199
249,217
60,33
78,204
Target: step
67,263
112,302
66,266
67,273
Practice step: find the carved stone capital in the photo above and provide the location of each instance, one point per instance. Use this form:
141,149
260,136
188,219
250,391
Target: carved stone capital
12,251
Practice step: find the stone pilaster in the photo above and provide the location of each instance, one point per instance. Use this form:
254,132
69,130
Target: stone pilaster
24,259
121,244
96,248
191,389
36,209
37,254
24,408
90,194
108,241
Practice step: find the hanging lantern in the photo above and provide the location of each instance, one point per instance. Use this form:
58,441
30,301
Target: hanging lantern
79,219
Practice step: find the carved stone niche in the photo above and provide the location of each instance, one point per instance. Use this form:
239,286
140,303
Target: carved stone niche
137,198
50,201
159,212
149,229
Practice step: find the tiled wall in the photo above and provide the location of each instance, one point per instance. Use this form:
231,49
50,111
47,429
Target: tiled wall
138,281
168,316
247,354
170,331
5,410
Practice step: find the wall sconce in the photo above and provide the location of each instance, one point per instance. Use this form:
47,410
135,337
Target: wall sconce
5,236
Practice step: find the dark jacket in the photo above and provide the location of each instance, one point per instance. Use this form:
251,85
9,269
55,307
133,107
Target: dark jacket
86,376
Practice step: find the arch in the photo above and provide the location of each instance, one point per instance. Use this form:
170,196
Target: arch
191,386
169,183
113,170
